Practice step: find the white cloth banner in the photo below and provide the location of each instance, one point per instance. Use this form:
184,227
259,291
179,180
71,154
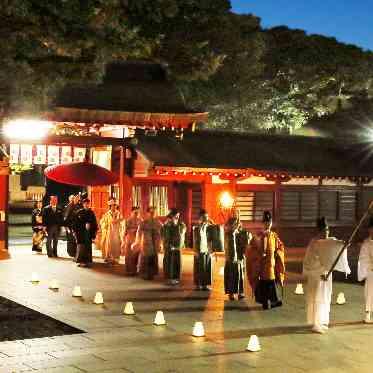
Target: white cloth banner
26,154
41,154
14,153
79,154
53,154
66,154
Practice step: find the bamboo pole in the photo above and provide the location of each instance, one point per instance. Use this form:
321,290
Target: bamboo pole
349,242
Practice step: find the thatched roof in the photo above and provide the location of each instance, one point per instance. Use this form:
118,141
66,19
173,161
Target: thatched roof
298,155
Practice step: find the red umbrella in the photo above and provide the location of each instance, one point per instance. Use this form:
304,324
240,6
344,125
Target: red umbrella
81,173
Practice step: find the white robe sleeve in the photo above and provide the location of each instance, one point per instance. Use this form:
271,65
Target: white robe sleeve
364,265
311,263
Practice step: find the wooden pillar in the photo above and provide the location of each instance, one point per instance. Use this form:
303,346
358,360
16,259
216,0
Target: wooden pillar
277,206
188,213
121,180
125,185
4,192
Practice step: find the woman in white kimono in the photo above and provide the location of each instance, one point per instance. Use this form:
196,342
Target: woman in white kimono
365,271
111,225
320,256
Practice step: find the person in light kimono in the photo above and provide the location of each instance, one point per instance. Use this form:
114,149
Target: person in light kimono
365,272
321,253
131,252
111,225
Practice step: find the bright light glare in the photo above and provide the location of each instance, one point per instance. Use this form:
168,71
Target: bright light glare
26,129
226,200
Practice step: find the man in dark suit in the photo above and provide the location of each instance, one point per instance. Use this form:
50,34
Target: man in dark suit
52,221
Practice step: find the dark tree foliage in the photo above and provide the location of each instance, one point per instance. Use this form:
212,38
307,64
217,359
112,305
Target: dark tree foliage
248,78
48,43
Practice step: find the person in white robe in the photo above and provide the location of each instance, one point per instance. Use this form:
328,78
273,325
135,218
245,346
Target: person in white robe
321,253
112,226
365,272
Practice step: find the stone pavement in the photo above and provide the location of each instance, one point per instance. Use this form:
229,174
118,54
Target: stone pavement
113,342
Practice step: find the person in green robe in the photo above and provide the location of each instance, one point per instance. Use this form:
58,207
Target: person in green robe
173,233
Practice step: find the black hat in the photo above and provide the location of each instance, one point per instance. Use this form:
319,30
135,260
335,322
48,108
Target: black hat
202,212
267,216
322,223
370,222
173,212
83,195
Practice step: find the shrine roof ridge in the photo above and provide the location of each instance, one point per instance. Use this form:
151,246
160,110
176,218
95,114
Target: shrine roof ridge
300,155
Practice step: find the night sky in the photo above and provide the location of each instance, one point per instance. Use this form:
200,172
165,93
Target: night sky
350,21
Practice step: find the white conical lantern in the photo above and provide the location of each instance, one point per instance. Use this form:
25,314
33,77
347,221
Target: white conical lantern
159,318
53,285
99,298
77,292
34,277
221,271
253,345
341,299
198,329
299,289
128,309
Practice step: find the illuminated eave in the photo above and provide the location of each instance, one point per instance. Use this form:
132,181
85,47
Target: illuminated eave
136,119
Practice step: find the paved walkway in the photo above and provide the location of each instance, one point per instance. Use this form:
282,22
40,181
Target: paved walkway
114,342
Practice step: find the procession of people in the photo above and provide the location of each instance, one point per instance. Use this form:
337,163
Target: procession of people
254,259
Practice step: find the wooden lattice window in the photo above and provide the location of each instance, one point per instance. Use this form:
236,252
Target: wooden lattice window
307,206
347,205
252,204
158,199
299,206
136,196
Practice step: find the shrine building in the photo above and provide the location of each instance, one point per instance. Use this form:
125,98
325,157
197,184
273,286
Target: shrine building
137,125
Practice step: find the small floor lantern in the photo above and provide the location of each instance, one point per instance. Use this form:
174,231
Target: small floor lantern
341,299
99,298
54,285
299,289
253,345
128,309
34,278
159,318
77,292
198,329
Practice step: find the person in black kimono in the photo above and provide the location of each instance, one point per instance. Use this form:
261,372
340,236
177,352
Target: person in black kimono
37,227
52,217
202,246
70,212
85,228
173,233
236,242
